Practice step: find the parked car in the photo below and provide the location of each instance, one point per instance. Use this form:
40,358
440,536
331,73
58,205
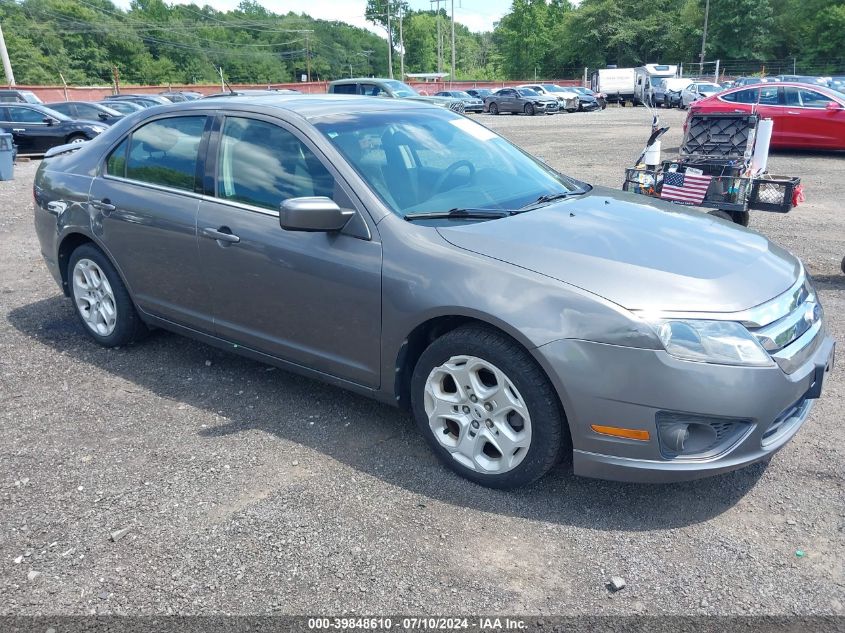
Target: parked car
177,96
479,93
804,79
124,107
750,81
18,96
471,104
413,255
667,92
804,116
587,98
698,90
143,100
87,110
568,99
254,93
520,100
36,128
390,89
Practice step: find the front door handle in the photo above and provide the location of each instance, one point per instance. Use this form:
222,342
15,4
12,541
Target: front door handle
792,112
18,130
103,205
223,234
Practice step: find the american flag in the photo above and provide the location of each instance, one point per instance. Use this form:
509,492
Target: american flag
687,188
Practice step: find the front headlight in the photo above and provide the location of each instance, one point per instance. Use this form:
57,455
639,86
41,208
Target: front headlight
720,342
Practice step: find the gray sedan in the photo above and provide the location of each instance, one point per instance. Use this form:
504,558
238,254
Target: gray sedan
409,254
520,100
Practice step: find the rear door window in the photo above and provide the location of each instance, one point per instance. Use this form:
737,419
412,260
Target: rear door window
770,95
165,152
749,95
345,89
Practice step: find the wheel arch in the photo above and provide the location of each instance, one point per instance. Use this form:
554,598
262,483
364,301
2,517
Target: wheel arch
69,243
425,332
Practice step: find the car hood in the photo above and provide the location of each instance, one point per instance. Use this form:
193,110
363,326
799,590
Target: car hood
639,254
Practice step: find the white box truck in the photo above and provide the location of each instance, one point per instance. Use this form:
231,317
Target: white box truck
616,83
648,77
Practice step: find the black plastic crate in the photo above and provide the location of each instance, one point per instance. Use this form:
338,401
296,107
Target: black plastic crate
773,193
719,136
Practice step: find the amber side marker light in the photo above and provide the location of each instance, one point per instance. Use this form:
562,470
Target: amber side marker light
615,431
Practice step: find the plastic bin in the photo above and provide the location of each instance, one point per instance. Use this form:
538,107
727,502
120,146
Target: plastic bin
773,193
7,157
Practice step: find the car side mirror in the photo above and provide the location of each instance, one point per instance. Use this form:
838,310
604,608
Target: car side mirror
50,120
315,214
833,105
103,116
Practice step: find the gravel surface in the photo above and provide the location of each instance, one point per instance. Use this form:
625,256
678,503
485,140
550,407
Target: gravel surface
176,478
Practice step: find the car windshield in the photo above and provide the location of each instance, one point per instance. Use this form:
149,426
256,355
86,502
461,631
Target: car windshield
528,92
30,97
553,88
400,89
434,160
53,113
460,94
655,81
708,89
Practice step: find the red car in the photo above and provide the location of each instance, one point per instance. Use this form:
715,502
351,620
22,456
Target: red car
804,116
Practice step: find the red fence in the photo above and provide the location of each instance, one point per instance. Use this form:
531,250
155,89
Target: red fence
93,93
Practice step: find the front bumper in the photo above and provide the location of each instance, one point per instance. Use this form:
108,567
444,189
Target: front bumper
626,387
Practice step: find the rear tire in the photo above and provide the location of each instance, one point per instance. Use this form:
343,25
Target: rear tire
525,433
100,299
740,217
719,213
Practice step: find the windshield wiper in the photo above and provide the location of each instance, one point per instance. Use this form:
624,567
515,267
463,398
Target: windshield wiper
472,214
549,197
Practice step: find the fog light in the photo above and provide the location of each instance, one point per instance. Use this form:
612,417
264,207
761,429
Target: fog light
684,435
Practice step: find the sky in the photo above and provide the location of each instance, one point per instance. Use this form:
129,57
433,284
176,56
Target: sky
477,15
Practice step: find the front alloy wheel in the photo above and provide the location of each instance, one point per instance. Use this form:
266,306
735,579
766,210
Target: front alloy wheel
477,415
487,409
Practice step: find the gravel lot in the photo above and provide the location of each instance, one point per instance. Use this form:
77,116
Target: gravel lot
249,490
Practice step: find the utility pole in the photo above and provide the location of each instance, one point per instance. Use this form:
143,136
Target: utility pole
439,39
7,65
401,44
452,76
716,74
704,39
389,44
222,81
307,57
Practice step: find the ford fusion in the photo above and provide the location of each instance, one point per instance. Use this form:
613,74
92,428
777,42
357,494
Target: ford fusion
406,252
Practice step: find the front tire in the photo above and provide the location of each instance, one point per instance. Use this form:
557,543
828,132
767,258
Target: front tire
100,299
529,109
487,409
77,138
494,109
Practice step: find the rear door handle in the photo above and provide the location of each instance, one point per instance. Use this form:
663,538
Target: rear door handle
223,234
792,112
104,205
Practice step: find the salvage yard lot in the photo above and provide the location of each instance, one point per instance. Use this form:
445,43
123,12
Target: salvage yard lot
250,490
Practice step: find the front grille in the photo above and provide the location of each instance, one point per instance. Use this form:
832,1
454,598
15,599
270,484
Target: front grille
457,106
788,327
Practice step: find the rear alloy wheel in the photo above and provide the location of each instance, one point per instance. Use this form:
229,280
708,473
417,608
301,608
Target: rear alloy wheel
529,109
486,408
101,300
494,109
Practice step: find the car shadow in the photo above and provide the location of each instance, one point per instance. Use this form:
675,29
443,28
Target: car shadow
373,438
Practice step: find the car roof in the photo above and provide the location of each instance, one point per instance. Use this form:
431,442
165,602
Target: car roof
308,106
